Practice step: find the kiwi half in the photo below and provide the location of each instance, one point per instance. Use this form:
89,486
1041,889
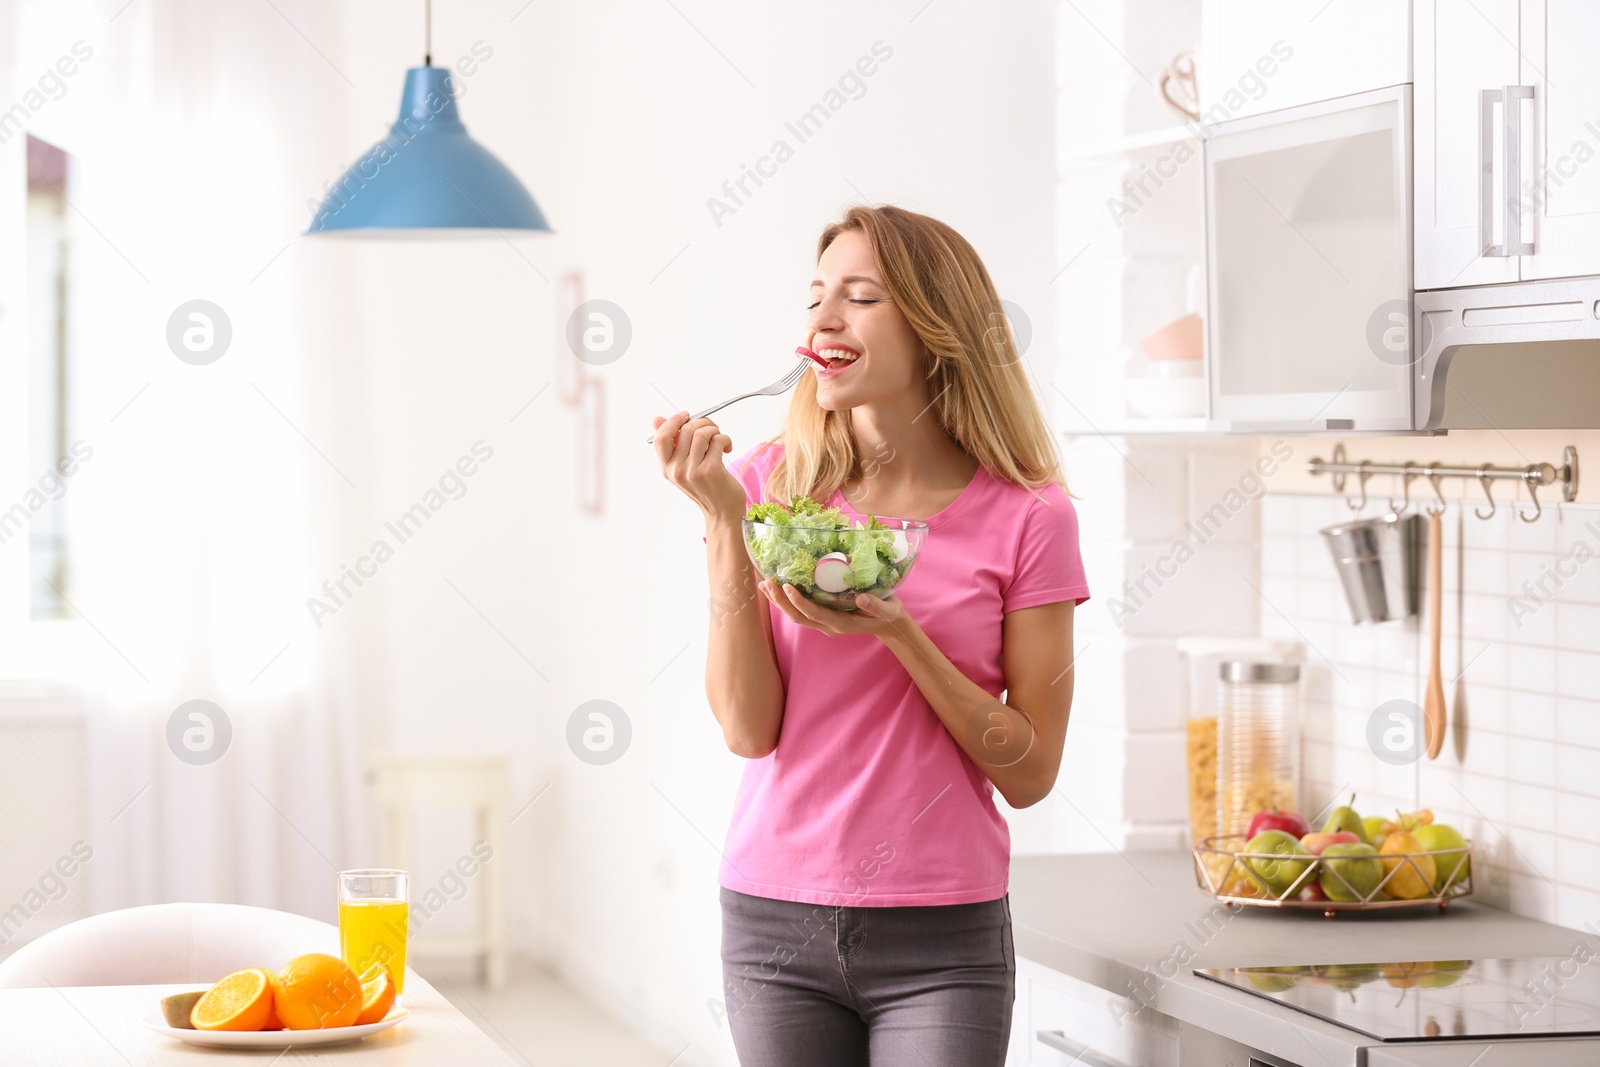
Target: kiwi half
177,1007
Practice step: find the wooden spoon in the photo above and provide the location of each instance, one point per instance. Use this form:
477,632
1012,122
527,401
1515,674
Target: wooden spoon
1433,707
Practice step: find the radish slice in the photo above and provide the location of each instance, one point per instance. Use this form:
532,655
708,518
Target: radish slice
831,572
807,353
901,548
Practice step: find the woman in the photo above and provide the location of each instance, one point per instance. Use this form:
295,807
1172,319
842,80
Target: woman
863,887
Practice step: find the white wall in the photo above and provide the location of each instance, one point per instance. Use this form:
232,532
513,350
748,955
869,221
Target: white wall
623,119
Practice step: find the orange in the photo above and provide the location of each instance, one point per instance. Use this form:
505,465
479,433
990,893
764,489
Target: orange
241,1001
377,994
273,1022
316,991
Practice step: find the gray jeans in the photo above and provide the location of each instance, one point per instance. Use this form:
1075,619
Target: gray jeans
809,985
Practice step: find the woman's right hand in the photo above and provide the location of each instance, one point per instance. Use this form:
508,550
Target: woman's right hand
691,459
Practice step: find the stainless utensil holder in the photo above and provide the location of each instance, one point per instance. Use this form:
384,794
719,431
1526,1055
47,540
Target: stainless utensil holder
1379,561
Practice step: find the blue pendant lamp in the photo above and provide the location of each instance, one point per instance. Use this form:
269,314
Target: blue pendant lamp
427,178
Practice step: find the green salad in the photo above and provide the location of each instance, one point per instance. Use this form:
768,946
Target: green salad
819,550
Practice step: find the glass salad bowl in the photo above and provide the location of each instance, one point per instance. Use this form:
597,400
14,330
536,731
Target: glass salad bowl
821,553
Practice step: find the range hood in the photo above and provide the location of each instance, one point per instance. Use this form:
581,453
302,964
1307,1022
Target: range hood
1523,355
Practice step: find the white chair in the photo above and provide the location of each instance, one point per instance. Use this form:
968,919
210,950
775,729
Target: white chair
166,943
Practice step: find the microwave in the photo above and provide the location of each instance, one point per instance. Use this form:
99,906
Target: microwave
1308,221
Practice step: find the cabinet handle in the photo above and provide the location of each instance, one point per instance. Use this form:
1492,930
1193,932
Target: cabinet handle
1082,1055
1487,98
1511,124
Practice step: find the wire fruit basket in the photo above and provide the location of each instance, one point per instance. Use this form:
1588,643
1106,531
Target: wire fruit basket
1330,884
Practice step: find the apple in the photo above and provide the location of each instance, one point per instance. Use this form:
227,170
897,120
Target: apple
1445,973
1438,981
1357,863
1276,876
1315,843
1372,828
1287,821
1346,977
1437,836
1271,983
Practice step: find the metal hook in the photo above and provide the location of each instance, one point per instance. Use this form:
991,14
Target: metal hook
1363,474
1535,478
1439,492
1405,499
1488,492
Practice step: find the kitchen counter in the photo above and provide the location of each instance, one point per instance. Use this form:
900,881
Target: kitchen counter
1136,925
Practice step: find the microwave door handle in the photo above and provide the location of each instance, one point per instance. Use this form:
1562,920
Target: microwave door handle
1487,98
1511,120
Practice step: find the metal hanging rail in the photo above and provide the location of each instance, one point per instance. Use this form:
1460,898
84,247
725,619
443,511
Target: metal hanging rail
1534,475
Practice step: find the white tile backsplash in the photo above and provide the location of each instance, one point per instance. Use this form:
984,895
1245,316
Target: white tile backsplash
1531,762
1520,773
1532,715
1578,723
1578,672
1578,770
1577,816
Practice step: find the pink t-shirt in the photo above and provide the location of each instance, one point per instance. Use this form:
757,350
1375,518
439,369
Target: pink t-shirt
867,799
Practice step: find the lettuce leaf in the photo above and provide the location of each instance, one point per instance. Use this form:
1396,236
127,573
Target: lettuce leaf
866,566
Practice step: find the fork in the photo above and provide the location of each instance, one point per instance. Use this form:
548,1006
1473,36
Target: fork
782,385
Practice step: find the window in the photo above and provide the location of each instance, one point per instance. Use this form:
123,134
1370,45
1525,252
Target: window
50,291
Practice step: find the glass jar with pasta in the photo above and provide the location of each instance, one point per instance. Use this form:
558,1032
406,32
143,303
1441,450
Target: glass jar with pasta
1258,741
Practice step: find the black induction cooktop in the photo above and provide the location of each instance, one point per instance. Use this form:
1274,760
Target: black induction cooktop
1438,999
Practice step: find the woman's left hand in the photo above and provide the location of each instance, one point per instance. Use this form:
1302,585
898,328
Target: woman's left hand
873,615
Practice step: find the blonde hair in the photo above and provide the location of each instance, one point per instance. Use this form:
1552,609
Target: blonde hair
975,373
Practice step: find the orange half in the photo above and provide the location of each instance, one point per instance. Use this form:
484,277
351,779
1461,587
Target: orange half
241,1001
377,994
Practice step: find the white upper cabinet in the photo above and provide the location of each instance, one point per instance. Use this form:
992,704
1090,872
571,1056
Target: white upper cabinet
1308,239
1560,181
1263,55
1507,134
1466,57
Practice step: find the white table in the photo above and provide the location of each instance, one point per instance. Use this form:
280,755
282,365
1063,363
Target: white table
100,1025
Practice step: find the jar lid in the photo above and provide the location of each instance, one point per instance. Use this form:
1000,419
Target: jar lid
1244,670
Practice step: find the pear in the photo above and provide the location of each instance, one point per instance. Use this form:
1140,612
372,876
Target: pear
1413,876
1344,818
1405,975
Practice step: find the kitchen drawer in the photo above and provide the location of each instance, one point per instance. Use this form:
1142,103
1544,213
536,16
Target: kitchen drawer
1202,1048
1070,1021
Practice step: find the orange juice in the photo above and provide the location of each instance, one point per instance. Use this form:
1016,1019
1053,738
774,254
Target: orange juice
374,931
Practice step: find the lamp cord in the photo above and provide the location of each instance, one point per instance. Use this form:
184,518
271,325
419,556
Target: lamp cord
427,33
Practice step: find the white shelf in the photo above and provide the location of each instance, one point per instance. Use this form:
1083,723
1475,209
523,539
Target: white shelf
1133,142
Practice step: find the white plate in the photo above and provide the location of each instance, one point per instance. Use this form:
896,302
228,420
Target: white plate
271,1038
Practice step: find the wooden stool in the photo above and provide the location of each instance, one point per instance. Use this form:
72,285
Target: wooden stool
405,783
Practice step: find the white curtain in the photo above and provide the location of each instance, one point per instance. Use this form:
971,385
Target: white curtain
198,131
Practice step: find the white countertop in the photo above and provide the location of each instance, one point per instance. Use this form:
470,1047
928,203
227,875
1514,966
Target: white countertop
1135,925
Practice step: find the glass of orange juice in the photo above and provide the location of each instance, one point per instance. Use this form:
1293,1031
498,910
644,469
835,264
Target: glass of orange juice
374,917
